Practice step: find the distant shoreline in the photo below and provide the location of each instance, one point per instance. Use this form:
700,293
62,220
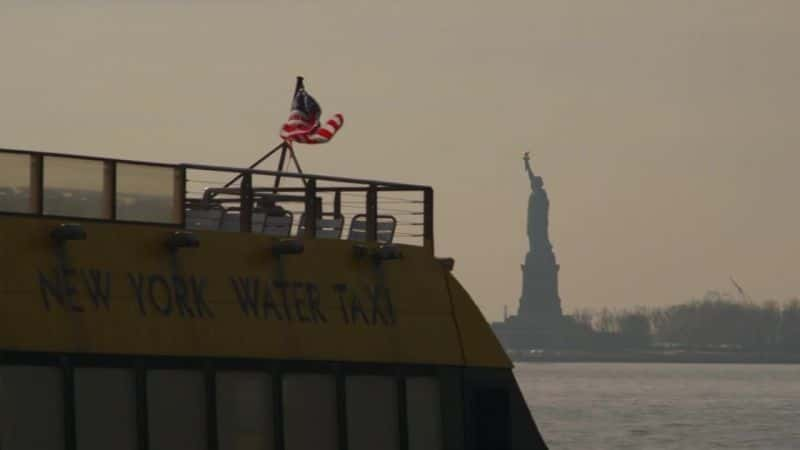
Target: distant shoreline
694,357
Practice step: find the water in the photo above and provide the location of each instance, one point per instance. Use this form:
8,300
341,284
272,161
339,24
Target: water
664,406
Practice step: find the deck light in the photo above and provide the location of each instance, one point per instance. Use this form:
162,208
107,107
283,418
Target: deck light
182,239
447,263
288,247
387,252
68,232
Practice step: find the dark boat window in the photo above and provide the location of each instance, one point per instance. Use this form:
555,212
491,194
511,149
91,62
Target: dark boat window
148,193
76,188
15,183
176,407
31,408
372,420
309,407
490,410
244,411
105,409
423,408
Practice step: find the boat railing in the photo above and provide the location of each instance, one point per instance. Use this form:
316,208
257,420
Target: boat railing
197,196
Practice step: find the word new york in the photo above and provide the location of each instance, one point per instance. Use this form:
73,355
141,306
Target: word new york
79,290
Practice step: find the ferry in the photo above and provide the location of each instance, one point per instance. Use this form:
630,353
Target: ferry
153,306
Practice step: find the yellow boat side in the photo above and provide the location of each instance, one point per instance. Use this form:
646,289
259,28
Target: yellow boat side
121,291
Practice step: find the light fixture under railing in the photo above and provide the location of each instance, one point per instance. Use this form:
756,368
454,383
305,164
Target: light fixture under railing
288,247
68,232
182,239
385,252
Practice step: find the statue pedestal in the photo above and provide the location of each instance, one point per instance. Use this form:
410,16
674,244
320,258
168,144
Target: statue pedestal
540,300
517,333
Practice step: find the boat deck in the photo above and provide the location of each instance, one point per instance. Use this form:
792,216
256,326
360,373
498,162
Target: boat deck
204,197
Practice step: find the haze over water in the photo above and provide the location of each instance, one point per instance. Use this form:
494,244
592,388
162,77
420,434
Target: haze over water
664,406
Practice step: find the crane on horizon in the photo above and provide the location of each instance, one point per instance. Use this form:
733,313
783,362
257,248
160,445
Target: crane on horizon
741,291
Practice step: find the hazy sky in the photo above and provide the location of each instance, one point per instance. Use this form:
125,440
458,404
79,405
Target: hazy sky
666,131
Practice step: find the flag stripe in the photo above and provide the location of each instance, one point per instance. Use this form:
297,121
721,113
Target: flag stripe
306,128
297,130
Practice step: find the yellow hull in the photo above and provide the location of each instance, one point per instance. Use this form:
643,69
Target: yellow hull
122,291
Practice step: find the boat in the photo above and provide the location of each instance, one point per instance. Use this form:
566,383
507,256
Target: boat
155,306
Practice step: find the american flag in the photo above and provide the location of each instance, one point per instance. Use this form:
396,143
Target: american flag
303,124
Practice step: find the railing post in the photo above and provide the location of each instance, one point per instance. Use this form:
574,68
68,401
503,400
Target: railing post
337,204
180,197
372,213
37,184
246,203
284,147
110,190
311,209
428,220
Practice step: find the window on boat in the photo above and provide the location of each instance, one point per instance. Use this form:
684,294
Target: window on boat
423,406
176,409
31,408
491,418
15,183
147,193
316,412
309,403
244,411
76,187
105,409
372,412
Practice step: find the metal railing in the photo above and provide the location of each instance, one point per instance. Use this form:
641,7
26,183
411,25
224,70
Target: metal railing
313,197
117,190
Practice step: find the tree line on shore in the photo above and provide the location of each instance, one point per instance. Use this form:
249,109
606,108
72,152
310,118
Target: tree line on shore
715,322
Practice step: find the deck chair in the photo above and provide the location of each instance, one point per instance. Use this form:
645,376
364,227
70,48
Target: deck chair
329,226
231,220
203,217
385,228
278,223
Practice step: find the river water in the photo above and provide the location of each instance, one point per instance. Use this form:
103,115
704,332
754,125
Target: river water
663,406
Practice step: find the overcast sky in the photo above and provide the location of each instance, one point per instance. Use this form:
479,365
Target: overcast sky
666,131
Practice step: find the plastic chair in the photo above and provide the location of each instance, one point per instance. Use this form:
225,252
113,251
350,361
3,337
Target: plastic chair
385,228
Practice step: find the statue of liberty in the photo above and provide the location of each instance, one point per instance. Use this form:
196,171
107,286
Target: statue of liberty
539,299
538,211
539,321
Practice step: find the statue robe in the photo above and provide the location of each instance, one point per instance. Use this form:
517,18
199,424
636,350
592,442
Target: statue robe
538,213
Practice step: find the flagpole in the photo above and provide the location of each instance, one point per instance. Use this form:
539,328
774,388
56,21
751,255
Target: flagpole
280,146
296,162
285,149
